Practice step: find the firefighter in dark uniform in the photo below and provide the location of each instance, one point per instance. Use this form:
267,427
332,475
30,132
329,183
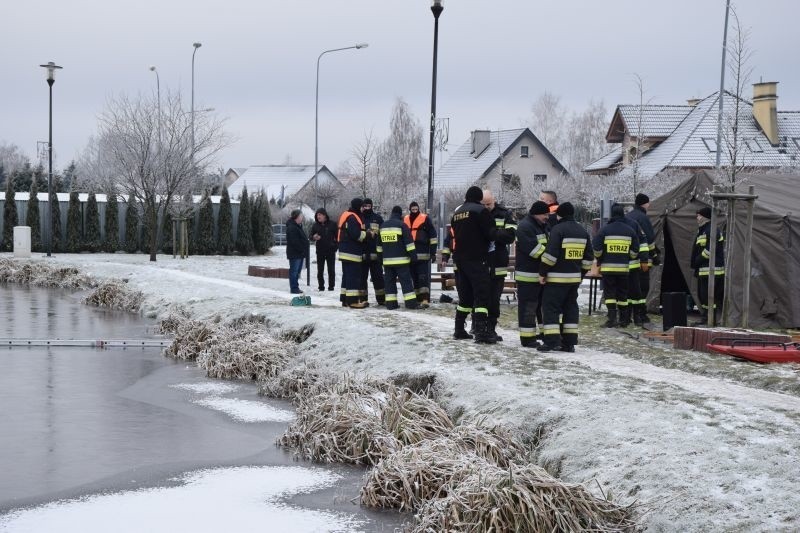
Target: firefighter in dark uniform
351,253
565,261
531,244
551,199
701,253
498,255
371,267
636,298
473,231
615,245
424,234
639,214
397,250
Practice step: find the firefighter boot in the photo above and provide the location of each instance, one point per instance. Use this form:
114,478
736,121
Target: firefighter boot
412,304
391,304
637,315
625,316
493,330
643,314
483,334
612,321
460,332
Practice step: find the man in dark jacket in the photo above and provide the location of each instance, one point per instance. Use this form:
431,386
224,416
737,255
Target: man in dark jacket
551,199
296,249
371,267
351,253
701,254
506,228
639,214
397,250
473,231
566,260
323,233
531,244
615,245
424,234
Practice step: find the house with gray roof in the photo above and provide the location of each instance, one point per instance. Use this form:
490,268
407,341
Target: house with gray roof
652,138
283,183
499,160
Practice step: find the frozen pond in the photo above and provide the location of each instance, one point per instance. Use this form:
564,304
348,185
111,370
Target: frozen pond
128,433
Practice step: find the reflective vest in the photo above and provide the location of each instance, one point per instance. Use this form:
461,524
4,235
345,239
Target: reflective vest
343,222
351,249
414,227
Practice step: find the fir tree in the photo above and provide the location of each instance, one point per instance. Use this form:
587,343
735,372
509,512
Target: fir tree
147,227
166,234
111,244
225,224
132,226
93,240
55,216
10,217
267,239
244,226
74,219
32,218
255,201
205,242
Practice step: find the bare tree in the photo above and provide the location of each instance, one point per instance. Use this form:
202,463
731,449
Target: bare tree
548,120
157,169
12,159
363,161
400,159
586,136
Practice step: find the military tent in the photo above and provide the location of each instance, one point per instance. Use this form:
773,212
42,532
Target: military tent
775,259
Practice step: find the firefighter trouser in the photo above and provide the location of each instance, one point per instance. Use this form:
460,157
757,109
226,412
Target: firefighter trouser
474,288
326,258
529,295
702,290
497,283
634,287
403,273
560,300
644,285
351,281
419,276
372,269
615,290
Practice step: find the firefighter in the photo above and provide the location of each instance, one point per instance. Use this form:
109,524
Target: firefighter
531,244
424,235
564,264
352,235
371,267
701,253
551,199
636,297
615,245
498,255
473,231
639,214
397,249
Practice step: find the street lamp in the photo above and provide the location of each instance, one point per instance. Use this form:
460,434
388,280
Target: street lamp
316,116
436,9
51,78
196,46
158,93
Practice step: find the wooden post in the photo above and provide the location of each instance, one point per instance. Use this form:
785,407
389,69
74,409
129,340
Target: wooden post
712,260
174,241
730,241
748,242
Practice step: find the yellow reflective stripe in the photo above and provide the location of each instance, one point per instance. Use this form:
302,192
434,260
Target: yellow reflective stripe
611,301
344,256
624,303
598,253
379,249
411,247
526,276
587,265
550,329
422,257
482,310
548,259
527,332
500,271
352,293
391,297
362,236
614,268
701,241
719,271
705,253
463,309
499,222
445,251
434,240
390,261
391,231
409,296
374,257
564,280
537,251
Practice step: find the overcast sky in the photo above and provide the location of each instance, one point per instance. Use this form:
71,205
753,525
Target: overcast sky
258,58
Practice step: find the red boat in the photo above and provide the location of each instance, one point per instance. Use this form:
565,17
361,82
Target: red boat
767,352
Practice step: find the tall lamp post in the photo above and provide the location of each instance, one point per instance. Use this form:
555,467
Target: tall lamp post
436,9
316,116
196,46
158,96
51,78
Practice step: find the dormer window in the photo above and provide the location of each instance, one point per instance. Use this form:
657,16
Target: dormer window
753,145
710,143
523,151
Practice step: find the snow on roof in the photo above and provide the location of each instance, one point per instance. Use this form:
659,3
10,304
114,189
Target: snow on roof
605,162
274,179
693,142
656,120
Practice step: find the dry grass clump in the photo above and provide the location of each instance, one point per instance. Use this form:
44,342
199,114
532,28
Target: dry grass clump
244,352
495,444
420,383
115,295
191,338
293,382
412,418
522,499
44,275
174,319
297,335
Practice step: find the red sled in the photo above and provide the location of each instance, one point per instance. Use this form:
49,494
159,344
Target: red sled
765,352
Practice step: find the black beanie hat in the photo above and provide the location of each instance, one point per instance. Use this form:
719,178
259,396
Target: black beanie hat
565,210
617,211
704,212
539,208
355,204
642,199
474,194
397,210
366,201
413,204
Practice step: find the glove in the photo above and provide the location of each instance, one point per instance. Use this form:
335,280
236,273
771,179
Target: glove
645,266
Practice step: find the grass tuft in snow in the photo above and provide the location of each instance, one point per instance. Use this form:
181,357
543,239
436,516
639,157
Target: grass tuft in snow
246,352
44,275
115,294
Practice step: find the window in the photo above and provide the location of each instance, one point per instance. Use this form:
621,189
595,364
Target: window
523,151
710,143
753,146
511,181
540,178
796,141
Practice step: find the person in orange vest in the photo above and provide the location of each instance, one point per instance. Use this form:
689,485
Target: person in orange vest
551,199
425,240
352,235
372,267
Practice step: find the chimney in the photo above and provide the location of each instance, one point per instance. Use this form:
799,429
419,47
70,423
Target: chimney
765,108
693,101
480,141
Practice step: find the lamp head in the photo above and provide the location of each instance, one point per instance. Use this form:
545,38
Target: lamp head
197,45
437,6
51,71
362,45
153,68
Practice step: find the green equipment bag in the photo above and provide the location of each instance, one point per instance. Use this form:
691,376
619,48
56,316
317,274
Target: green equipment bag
301,300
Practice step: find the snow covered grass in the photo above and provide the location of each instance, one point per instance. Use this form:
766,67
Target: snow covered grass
715,450
44,275
115,295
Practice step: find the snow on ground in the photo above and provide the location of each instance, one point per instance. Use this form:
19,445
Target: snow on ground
207,388
245,410
702,452
232,499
